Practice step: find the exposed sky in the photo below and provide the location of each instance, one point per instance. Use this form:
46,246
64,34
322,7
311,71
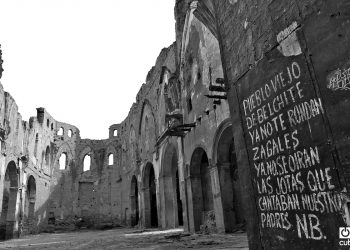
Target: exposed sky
82,60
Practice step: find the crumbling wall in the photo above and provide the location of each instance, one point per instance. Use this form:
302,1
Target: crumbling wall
289,44
204,105
141,129
26,147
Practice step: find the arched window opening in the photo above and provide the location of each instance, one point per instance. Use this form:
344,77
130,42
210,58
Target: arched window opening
60,131
87,163
36,145
29,209
115,132
47,156
9,197
63,161
70,133
51,126
48,123
110,159
42,159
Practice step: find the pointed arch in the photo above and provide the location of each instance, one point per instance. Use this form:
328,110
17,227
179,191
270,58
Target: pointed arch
224,156
170,187
9,202
149,196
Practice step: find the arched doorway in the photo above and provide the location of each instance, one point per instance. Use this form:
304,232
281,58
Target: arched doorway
229,180
29,211
171,189
202,195
150,197
9,200
134,200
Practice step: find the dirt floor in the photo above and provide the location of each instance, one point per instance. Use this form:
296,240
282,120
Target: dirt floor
128,239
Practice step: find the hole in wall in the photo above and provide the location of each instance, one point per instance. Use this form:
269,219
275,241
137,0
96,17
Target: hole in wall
87,163
110,159
63,161
60,131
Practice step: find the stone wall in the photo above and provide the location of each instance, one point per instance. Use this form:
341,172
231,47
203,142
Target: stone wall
241,123
299,46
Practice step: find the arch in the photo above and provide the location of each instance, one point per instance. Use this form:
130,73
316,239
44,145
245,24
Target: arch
169,185
133,151
29,210
146,103
47,157
111,154
202,195
9,199
63,149
150,196
147,130
36,145
87,151
224,156
70,133
134,201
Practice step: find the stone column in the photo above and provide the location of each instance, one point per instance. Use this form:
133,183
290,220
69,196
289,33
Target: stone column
162,195
227,194
168,205
12,214
195,202
217,200
159,207
190,216
145,210
132,209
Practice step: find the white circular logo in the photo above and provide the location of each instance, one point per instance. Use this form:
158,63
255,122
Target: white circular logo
345,232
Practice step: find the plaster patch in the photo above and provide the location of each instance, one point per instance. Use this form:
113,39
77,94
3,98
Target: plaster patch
288,40
339,79
245,25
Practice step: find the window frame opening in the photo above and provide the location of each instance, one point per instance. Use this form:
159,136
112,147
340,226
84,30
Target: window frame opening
87,163
60,131
61,163
110,159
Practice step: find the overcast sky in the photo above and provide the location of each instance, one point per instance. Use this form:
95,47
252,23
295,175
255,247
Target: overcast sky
82,60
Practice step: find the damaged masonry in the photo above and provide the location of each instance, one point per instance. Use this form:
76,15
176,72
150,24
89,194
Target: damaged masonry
242,124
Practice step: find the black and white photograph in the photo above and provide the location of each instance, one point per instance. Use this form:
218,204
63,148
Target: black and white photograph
175,124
